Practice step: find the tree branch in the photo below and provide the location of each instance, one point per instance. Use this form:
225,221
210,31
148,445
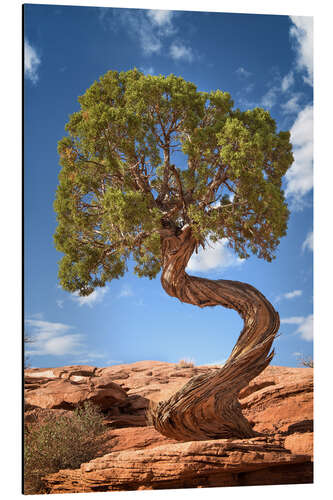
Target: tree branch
180,189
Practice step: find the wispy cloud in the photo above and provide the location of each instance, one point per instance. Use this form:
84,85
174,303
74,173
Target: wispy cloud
270,98
31,62
243,72
248,88
60,303
292,295
289,295
163,19
305,325
148,28
36,315
49,338
147,70
293,320
90,300
308,242
287,81
126,291
56,339
292,105
302,33
151,30
300,176
215,256
89,357
280,94
178,51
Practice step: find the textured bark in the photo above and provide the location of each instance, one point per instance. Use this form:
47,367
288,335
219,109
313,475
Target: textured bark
207,407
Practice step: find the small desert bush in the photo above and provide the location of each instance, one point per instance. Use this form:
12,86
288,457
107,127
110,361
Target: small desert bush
307,362
185,363
60,442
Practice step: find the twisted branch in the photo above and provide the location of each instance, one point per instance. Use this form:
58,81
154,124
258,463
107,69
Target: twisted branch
207,407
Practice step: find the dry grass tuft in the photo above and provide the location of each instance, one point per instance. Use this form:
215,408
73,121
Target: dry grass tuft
185,363
307,362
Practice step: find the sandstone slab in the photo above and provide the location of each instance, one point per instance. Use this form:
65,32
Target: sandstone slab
184,465
134,456
67,394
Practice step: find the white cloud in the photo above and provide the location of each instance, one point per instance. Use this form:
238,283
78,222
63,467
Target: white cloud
140,27
148,28
294,320
302,32
45,329
88,358
60,303
68,344
214,256
270,98
248,88
289,295
147,70
308,242
305,328
114,362
90,300
287,81
126,291
178,51
292,105
150,43
300,176
31,62
50,338
243,72
162,19
55,339
36,316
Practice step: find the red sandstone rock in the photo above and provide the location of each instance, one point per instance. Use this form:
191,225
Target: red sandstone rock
300,443
279,403
280,400
181,465
134,438
62,393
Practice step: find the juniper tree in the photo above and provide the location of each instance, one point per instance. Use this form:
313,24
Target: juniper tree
152,169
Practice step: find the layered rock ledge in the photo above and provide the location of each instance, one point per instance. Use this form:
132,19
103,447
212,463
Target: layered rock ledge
278,403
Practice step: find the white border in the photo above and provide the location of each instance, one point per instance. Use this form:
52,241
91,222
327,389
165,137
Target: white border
11,239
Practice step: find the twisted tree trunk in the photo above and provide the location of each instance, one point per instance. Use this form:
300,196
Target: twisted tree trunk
207,407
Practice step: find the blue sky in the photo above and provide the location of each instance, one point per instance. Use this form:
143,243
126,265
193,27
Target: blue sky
261,60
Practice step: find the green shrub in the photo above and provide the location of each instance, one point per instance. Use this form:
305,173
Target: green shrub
60,442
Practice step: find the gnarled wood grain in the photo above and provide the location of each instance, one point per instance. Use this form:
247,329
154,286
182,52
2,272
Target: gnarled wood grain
207,407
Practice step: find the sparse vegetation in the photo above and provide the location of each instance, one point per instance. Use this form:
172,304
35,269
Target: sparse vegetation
185,363
63,442
26,340
307,362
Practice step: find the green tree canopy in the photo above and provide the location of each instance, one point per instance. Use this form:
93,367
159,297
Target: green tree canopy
119,183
